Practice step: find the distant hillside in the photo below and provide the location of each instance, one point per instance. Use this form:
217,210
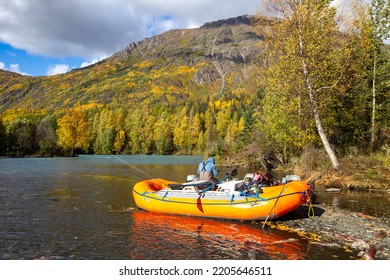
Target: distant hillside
207,91
170,68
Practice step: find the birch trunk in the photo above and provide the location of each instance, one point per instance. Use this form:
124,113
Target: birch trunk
313,102
373,116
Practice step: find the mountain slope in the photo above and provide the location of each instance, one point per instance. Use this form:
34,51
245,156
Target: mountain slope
168,68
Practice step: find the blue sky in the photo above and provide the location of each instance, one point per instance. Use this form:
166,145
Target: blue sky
18,60
48,37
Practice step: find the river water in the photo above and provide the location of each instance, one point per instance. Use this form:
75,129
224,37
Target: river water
82,208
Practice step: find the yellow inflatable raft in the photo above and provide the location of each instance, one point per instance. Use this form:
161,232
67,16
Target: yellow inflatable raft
224,200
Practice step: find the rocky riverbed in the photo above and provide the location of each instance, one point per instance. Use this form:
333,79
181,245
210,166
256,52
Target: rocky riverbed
367,236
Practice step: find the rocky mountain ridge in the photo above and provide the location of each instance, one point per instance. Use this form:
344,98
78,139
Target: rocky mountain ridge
230,44
218,54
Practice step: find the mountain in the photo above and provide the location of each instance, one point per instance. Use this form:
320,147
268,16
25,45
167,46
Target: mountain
169,68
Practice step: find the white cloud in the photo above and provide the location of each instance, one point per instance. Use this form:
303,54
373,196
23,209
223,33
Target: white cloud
13,68
95,28
57,69
92,61
11,54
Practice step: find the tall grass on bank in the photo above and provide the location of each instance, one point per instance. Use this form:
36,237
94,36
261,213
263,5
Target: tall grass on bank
357,170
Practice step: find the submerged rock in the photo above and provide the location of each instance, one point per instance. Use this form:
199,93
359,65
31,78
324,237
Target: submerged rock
333,190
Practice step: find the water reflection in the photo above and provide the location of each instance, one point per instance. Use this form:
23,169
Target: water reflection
162,236
82,208
373,203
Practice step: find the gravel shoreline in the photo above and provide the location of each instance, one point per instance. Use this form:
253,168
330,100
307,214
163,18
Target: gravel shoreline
366,235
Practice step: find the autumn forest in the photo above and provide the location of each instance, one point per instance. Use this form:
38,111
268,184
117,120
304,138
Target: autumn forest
260,90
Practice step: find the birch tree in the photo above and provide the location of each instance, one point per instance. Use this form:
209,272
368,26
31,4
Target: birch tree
306,35
380,31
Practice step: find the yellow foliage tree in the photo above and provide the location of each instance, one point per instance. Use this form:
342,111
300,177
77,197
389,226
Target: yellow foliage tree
73,131
120,141
181,131
236,126
163,133
195,133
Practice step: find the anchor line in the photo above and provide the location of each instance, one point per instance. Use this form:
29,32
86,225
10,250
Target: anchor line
274,206
141,174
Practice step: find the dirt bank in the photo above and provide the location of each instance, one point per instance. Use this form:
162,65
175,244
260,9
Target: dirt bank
353,178
360,173
368,236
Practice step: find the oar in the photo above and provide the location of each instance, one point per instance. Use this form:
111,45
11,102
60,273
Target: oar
228,176
180,186
202,192
207,184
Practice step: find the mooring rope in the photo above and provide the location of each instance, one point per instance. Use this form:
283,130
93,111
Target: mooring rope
141,174
273,207
311,213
